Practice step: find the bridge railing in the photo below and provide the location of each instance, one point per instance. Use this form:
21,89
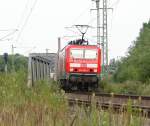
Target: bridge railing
39,68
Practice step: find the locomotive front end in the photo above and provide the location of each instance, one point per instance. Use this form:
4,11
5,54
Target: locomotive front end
83,66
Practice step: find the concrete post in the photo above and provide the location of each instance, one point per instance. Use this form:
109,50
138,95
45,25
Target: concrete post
29,84
59,48
33,71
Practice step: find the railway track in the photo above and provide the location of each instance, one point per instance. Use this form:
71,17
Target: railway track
115,101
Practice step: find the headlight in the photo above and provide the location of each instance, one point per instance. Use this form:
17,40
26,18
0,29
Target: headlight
75,65
71,69
92,65
95,70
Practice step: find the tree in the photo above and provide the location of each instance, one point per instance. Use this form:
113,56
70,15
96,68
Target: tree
136,66
20,62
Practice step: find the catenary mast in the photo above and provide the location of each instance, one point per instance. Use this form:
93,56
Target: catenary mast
102,32
105,37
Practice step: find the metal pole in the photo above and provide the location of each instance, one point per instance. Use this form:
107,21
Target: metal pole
47,53
98,22
105,38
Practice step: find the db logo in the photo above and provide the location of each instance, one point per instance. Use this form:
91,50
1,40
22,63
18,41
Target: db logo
83,65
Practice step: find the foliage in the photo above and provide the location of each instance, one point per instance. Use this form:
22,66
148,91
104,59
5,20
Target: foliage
113,66
136,65
127,87
20,62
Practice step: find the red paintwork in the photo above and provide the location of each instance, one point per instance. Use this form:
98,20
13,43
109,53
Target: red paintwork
65,60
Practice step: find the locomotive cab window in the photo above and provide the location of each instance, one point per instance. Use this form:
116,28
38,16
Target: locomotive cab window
76,53
90,54
83,53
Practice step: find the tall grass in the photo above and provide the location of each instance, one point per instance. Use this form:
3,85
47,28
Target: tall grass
128,87
21,105
45,105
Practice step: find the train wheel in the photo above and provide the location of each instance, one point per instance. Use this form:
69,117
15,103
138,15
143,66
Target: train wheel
96,85
79,86
86,87
67,85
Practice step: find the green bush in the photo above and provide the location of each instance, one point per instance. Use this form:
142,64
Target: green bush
128,87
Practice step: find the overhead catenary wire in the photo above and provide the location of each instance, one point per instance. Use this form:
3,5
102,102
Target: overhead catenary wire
80,15
93,19
114,5
9,34
69,29
23,14
26,20
77,19
4,38
7,29
29,49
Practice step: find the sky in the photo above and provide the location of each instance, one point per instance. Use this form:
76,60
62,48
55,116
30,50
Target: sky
33,26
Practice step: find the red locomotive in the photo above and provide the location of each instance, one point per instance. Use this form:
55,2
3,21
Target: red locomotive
79,66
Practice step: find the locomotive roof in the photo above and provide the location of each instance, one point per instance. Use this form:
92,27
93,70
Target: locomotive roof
68,46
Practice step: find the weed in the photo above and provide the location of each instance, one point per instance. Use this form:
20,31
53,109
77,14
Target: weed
45,105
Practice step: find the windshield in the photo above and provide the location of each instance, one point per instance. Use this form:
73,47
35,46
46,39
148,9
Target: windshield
84,53
76,53
90,54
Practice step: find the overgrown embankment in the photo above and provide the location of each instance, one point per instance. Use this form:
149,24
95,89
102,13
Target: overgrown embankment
128,87
45,105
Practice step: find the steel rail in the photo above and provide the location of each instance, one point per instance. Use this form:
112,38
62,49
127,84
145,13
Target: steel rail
115,101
